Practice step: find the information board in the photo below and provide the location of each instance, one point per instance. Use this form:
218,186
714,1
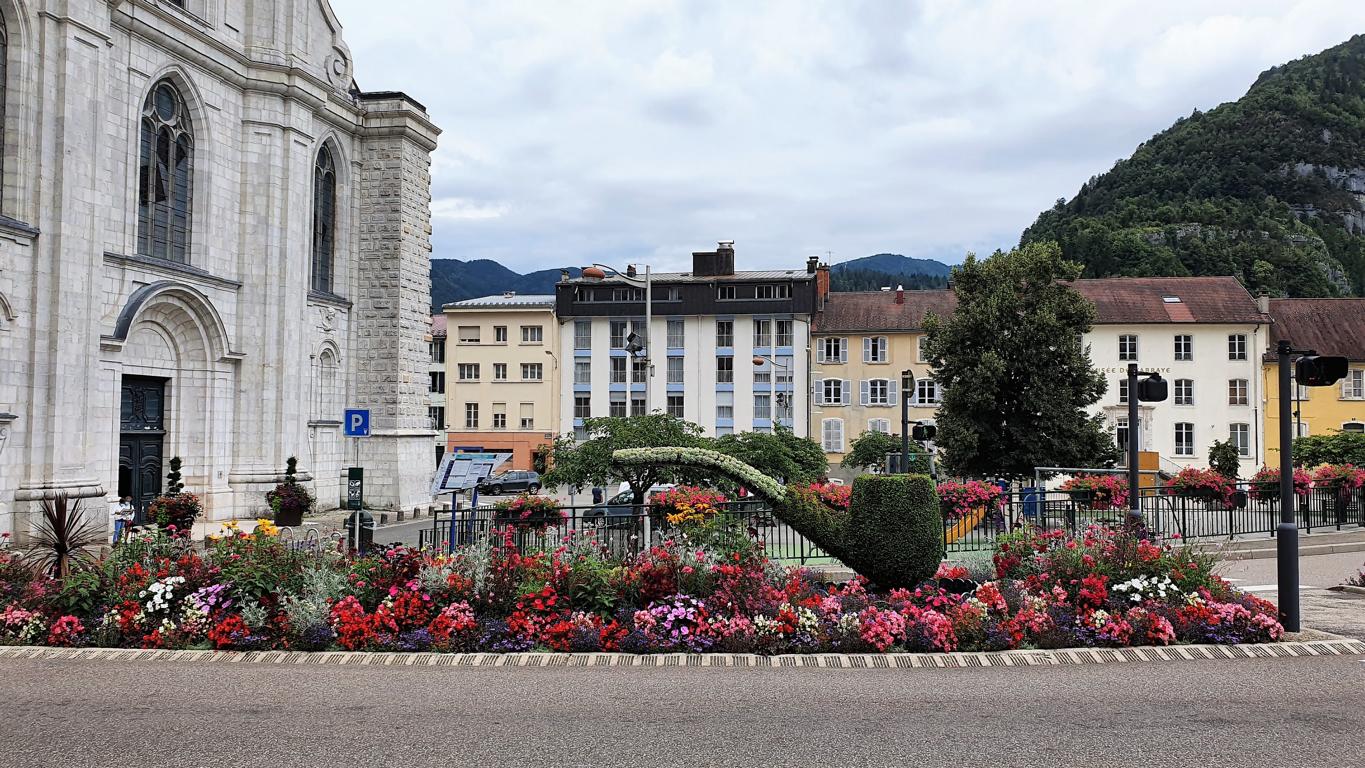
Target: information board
463,471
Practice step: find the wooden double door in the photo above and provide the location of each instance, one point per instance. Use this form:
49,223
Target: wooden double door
142,435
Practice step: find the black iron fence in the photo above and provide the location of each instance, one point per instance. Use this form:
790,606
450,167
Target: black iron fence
624,530
1250,510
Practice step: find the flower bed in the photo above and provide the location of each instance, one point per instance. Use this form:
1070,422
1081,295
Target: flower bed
687,505
251,591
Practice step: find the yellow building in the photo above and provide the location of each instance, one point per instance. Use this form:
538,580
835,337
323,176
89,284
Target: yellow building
1329,327
860,344
502,369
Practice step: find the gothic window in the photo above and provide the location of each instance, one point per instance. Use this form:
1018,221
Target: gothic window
4,91
166,160
324,219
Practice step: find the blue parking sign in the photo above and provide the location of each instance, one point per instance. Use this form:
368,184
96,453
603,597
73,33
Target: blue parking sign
357,423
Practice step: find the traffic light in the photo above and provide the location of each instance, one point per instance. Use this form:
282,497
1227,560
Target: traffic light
1320,370
922,432
1151,389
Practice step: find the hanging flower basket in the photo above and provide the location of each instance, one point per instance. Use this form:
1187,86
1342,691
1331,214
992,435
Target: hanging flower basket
529,511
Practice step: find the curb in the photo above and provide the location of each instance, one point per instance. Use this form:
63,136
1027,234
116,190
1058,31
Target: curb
1304,551
1347,588
1065,657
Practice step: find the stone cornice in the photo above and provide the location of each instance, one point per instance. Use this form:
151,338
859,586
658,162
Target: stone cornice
170,269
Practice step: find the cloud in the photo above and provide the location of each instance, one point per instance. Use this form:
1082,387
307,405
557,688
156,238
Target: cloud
578,131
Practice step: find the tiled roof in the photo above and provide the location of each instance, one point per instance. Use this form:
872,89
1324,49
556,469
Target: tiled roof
505,301
849,311
1124,300
438,326
1328,326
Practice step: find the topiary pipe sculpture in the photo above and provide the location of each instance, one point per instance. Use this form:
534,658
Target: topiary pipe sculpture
892,532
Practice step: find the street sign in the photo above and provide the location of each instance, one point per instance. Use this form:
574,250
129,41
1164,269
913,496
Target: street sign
357,423
355,488
463,471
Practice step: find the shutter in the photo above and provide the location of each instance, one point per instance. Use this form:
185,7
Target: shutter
863,387
817,392
867,349
1346,386
881,349
843,350
820,351
891,392
844,390
839,434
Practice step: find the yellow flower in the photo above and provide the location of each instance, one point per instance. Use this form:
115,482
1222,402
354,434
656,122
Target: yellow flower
265,527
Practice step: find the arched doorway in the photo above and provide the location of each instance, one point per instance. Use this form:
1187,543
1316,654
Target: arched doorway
142,436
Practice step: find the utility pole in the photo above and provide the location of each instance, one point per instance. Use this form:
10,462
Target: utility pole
1287,532
907,391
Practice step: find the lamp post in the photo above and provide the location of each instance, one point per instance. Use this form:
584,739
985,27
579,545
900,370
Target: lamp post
1150,389
907,391
780,399
629,277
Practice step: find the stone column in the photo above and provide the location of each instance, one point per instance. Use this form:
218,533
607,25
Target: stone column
392,299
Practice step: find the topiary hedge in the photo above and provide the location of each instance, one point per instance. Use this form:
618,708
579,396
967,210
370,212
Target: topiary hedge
898,518
892,533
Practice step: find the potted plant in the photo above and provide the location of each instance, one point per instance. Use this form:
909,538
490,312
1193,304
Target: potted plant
528,511
1202,484
1265,484
1099,492
289,500
174,510
686,505
958,499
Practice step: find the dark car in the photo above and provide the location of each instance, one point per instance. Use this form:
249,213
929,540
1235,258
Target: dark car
512,481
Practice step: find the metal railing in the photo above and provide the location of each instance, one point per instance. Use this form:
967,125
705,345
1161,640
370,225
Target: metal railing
624,530
1248,511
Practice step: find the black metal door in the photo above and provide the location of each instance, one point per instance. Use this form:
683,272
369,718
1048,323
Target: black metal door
142,432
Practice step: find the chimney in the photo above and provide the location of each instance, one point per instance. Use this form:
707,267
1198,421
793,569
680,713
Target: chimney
717,263
563,275
811,264
900,294
821,285
1263,303
509,294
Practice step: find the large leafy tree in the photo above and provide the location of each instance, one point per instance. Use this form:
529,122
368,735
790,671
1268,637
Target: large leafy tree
780,455
871,448
1016,376
589,463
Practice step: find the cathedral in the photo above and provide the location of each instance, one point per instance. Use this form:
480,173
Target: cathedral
212,243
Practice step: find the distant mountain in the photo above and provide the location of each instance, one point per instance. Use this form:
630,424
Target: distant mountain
893,264
1270,188
455,280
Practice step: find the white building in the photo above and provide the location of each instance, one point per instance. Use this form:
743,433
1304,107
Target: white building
1205,336
183,265
709,326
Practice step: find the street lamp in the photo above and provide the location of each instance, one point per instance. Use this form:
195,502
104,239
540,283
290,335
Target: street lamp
780,399
907,391
1150,389
635,345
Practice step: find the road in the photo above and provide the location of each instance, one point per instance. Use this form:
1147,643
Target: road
1301,712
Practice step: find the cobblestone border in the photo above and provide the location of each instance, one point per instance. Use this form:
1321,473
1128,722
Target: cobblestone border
1065,657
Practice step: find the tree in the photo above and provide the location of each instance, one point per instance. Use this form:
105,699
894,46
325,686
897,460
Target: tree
1015,372
1225,459
780,455
1338,448
589,463
871,448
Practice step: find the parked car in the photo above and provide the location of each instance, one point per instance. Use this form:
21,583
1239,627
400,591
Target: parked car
511,481
619,510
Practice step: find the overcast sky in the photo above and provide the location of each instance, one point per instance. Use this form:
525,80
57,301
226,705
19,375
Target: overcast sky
632,130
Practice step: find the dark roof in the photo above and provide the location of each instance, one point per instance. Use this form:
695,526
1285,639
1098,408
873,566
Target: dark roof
848,311
659,278
1123,300
438,326
1327,326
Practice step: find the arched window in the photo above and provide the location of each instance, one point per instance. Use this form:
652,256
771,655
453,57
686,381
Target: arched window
4,90
166,161
324,219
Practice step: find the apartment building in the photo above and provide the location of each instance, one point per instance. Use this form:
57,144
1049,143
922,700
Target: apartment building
436,389
860,344
1206,336
726,349
501,374
1329,327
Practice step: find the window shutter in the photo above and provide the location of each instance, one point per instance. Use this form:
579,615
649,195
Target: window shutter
1346,387
891,392
867,349
881,348
820,351
863,387
843,350
818,391
844,391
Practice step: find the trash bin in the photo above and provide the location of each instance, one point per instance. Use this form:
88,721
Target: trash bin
1033,497
367,527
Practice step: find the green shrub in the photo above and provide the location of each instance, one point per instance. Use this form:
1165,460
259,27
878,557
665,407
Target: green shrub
1339,448
896,529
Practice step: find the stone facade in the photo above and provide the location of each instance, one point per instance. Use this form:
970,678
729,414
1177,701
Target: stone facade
255,360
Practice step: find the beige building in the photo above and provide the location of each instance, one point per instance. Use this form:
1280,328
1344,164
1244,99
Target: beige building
860,344
502,365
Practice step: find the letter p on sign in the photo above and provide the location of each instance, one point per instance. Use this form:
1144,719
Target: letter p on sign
357,423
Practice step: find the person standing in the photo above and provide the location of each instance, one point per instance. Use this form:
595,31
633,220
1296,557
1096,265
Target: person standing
123,517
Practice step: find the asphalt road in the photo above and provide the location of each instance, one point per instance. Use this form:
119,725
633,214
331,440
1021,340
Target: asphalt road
1301,712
